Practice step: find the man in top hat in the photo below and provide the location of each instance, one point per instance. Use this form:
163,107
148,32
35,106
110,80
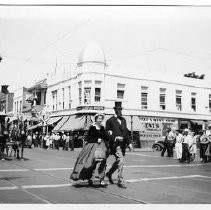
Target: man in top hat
119,138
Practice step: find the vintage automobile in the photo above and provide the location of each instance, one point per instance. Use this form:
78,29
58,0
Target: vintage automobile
158,145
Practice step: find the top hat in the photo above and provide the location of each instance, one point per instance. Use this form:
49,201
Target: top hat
118,105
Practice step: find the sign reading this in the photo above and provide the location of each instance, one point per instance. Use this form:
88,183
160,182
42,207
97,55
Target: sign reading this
153,128
89,108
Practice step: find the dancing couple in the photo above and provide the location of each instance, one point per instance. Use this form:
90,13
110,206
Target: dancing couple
100,142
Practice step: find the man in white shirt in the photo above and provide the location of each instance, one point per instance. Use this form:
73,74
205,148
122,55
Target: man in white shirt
170,142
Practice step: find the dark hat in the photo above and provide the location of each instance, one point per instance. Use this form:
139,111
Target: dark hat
118,105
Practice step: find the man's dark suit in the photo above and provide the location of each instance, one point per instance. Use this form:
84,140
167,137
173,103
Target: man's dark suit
117,148
118,130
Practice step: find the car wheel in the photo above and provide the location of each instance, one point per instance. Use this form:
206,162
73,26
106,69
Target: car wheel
157,148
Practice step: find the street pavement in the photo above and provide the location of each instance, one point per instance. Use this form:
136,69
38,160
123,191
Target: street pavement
43,177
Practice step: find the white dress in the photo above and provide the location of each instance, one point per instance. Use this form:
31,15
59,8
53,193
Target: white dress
178,145
192,145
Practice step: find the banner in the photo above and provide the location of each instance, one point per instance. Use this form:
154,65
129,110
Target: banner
154,128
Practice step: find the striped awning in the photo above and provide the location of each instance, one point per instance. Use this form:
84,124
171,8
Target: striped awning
61,123
77,122
53,120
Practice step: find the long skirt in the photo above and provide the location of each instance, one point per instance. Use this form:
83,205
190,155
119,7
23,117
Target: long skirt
178,149
85,163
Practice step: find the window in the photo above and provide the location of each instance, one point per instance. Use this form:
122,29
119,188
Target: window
210,103
162,98
87,91
120,94
80,92
17,106
38,96
45,97
54,96
69,95
179,100
120,91
144,100
193,101
20,106
97,94
62,98
144,96
87,95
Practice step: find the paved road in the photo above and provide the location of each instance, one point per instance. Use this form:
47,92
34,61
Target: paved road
43,177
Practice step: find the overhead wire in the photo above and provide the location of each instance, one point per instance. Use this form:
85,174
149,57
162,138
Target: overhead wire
61,37
164,49
46,47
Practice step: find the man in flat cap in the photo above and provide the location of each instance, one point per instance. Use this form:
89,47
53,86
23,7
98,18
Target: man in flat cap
119,138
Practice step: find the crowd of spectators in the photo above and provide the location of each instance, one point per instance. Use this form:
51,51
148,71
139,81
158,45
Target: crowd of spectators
53,140
186,142
14,141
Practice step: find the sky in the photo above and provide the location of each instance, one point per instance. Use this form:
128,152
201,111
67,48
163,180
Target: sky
136,40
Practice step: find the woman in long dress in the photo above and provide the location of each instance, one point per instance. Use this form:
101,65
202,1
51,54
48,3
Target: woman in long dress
86,162
178,144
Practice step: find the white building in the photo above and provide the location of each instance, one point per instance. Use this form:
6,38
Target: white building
151,103
21,108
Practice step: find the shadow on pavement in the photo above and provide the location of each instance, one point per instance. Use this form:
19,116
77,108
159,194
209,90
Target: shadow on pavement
86,185
11,178
14,158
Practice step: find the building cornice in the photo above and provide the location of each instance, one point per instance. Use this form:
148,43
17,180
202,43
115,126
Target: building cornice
153,80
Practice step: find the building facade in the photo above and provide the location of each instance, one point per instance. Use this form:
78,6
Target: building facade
151,102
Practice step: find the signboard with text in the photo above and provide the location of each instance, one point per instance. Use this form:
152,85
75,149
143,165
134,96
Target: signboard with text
90,108
154,128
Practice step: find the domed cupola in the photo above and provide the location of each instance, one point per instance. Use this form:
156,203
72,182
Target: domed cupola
91,53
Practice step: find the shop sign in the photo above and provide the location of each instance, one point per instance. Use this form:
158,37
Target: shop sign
153,128
79,108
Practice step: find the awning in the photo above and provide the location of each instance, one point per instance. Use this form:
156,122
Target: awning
53,120
199,122
34,126
77,122
61,123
